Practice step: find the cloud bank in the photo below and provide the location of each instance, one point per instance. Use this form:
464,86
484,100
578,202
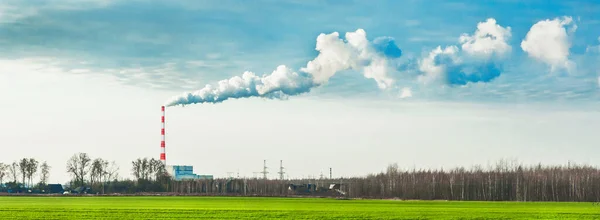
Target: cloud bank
355,53
478,59
548,41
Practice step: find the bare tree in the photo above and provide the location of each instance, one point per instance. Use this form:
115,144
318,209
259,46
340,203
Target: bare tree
32,167
3,172
98,170
136,168
14,171
23,167
145,168
112,171
45,173
158,168
78,166
151,169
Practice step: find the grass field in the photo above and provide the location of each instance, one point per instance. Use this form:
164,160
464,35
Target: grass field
287,208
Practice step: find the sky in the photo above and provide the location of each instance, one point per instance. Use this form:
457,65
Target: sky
351,85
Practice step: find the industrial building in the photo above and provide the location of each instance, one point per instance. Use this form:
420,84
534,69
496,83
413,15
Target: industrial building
179,172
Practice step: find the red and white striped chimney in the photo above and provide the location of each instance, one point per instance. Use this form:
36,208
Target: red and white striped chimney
163,155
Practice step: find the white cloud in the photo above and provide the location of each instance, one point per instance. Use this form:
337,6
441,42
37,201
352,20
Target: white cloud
432,71
489,38
357,54
548,41
406,93
471,64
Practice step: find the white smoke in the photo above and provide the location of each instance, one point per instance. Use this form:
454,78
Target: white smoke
279,84
335,55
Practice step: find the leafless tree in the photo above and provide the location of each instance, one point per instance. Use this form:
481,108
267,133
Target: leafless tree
23,167
78,166
3,172
147,169
157,168
32,167
112,171
14,171
137,169
98,170
45,173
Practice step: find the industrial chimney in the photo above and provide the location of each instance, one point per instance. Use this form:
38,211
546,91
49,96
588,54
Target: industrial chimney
163,156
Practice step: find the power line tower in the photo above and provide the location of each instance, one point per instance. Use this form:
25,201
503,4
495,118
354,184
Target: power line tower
281,173
265,172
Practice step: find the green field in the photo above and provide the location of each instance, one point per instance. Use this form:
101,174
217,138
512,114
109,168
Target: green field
287,208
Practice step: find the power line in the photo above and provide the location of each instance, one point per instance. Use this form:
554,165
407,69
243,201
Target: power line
265,172
281,173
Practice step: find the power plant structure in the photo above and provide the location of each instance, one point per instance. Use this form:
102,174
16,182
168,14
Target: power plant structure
186,172
177,172
163,153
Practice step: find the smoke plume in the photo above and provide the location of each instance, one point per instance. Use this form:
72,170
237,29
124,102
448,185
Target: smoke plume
335,55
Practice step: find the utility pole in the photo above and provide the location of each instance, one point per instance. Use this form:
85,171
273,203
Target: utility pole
264,172
330,173
281,173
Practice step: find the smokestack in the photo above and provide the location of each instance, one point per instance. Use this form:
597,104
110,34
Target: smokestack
163,155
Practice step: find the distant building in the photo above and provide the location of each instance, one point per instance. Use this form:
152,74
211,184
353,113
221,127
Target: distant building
179,172
55,188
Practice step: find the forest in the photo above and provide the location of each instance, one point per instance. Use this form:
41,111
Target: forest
504,181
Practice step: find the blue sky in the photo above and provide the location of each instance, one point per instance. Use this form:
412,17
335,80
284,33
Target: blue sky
89,58
200,42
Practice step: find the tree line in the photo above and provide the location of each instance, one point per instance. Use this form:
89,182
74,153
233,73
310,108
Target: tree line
505,181
24,170
96,174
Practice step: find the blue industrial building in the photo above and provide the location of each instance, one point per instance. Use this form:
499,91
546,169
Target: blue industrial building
179,172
